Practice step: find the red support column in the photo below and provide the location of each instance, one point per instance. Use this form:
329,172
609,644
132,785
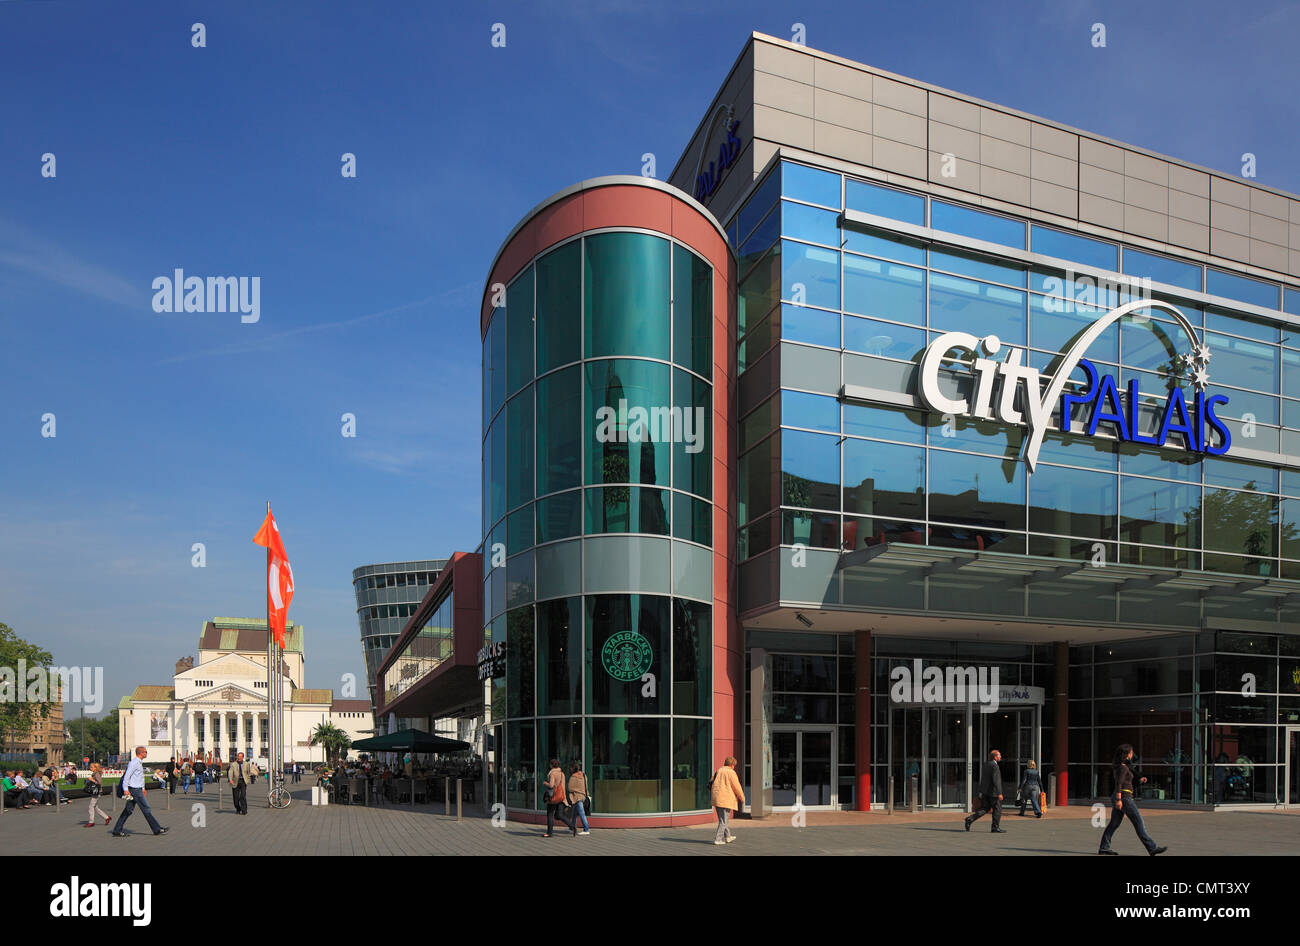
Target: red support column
1061,723
862,721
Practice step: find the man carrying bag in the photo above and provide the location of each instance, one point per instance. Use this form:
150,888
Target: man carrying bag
990,792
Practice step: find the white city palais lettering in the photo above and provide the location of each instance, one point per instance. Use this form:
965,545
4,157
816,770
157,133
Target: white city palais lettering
1011,391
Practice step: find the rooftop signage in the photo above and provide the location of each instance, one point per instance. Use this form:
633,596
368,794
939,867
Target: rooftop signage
708,177
1195,427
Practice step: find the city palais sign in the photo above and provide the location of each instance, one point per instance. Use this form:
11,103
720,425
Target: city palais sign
1196,425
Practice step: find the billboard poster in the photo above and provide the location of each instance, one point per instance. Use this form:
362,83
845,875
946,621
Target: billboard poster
158,726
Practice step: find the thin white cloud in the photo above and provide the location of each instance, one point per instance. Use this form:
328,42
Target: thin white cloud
268,342
25,254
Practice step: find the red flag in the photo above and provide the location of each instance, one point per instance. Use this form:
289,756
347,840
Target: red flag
279,576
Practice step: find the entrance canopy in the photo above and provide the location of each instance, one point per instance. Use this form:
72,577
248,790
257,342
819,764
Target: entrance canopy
410,740
908,589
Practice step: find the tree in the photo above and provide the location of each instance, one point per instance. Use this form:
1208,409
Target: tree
17,717
334,740
101,738
1243,523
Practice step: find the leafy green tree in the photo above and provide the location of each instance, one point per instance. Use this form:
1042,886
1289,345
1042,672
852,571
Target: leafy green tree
16,718
101,738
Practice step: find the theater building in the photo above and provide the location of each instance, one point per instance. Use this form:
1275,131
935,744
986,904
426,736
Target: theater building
775,463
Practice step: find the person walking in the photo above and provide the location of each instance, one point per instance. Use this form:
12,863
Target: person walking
554,788
726,796
95,788
200,774
241,774
1030,789
134,793
187,772
990,792
170,768
578,798
1126,804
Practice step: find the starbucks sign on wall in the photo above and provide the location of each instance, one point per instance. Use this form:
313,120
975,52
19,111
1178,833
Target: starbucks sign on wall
627,656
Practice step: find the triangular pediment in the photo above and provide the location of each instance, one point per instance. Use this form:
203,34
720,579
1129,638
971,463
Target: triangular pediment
230,694
234,667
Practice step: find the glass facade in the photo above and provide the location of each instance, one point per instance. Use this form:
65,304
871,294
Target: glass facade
827,473
387,595
1178,700
597,521
823,302
813,682
1208,715
433,644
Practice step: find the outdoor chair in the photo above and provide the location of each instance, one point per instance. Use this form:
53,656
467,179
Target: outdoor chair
356,790
421,789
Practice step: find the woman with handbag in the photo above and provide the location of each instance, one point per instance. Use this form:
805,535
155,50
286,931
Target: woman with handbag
579,797
554,795
95,786
1030,790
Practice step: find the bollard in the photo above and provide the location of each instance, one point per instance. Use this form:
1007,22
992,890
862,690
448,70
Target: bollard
412,792
220,787
890,809
1051,790
167,789
912,789
446,795
459,795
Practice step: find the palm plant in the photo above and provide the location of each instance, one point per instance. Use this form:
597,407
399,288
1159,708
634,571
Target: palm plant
334,740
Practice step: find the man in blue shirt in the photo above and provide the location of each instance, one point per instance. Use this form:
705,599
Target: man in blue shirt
133,792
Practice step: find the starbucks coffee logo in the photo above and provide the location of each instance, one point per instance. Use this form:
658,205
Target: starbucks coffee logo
626,656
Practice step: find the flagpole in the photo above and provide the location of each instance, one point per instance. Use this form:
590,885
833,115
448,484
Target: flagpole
270,644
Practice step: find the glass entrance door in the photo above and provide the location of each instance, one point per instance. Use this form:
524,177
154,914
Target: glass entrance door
930,744
803,768
950,725
1011,730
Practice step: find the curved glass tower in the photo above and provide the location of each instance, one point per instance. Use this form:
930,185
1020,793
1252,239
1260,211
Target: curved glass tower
606,375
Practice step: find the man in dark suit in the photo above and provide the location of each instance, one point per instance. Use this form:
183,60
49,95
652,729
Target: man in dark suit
990,793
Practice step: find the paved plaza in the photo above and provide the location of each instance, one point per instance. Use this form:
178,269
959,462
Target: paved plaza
341,830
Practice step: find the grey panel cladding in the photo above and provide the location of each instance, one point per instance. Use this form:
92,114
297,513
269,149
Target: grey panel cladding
893,382
759,580
810,369
906,132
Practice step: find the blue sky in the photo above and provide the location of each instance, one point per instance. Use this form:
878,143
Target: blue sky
177,428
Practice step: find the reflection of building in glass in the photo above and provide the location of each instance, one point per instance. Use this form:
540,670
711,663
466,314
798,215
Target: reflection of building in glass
387,595
429,678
